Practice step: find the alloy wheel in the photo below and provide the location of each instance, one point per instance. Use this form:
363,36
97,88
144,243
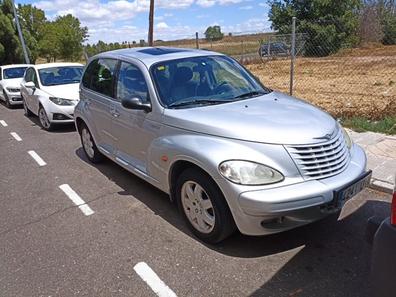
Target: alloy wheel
87,143
198,207
44,119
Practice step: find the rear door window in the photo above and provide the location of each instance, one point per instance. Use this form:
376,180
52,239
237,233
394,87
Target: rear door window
100,76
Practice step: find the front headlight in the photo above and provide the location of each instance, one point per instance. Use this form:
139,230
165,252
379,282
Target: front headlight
61,101
347,138
13,90
249,173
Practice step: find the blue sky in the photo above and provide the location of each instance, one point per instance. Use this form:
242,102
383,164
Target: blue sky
122,20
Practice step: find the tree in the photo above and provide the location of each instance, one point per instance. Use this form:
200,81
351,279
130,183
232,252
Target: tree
330,25
70,36
213,33
49,46
10,48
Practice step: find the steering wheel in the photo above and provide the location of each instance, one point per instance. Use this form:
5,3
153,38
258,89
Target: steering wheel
222,87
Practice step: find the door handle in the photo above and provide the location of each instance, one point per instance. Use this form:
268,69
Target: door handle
115,113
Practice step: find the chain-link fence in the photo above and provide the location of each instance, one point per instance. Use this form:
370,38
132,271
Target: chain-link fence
346,81
343,77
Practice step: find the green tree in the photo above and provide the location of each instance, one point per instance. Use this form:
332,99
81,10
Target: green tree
214,33
330,25
10,48
71,36
388,21
49,45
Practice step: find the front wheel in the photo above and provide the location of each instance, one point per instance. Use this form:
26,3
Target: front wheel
26,109
7,100
44,121
203,206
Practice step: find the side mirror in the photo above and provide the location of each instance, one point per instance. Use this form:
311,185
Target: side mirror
30,85
135,103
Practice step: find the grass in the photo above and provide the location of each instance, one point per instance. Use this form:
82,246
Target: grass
386,125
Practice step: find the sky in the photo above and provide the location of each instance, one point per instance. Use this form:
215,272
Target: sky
122,20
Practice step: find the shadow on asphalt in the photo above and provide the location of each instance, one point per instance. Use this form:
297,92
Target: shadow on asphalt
59,128
332,256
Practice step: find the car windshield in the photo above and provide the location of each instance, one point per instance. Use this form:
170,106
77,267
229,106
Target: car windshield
205,80
17,72
60,75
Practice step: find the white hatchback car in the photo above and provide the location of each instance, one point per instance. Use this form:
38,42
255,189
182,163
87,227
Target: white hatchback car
51,91
10,80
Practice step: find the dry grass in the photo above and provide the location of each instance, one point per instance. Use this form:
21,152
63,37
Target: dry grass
358,82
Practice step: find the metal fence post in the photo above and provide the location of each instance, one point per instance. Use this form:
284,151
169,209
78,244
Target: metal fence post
27,61
196,40
293,55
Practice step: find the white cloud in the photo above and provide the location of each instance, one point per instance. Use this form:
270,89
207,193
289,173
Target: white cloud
162,25
264,4
109,21
248,7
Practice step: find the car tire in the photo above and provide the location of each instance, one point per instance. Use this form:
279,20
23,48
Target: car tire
205,209
26,109
7,100
44,121
89,146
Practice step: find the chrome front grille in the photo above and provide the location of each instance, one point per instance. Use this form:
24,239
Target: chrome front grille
321,160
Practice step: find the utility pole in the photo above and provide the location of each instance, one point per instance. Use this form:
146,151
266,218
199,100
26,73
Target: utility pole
27,61
151,24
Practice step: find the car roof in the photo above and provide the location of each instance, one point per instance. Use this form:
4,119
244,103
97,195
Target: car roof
151,55
14,66
50,65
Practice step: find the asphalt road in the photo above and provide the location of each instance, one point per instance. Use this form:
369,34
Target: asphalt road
49,247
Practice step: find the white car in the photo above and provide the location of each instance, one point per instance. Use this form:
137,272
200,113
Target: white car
51,91
10,80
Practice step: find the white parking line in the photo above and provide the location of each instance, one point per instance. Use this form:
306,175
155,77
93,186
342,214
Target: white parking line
37,158
3,123
152,279
16,136
76,199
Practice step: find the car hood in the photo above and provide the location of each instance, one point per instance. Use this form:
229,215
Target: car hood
271,118
69,91
12,82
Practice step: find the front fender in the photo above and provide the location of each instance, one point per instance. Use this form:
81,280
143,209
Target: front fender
207,152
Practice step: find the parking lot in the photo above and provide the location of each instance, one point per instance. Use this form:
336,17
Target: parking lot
68,227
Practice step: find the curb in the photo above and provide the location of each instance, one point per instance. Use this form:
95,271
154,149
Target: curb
380,185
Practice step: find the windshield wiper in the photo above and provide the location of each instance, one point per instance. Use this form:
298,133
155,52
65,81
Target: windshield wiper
196,101
249,94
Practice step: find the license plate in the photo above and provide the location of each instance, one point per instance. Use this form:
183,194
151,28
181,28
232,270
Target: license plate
343,195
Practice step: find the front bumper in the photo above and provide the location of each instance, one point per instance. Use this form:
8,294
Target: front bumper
279,209
64,114
14,98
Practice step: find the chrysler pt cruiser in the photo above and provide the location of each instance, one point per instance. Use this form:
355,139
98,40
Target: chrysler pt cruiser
230,152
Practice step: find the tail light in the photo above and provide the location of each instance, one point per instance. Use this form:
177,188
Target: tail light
393,207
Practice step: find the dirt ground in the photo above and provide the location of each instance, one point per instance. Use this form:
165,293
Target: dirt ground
357,82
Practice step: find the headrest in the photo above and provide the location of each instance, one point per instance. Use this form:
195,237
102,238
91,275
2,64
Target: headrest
183,74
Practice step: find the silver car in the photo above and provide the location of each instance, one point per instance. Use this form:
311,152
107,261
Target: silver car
230,152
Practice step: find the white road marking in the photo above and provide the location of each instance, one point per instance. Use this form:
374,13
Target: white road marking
16,136
76,199
152,279
37,158
3,123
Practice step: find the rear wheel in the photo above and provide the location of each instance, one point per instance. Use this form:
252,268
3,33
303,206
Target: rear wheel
203,206
44,121
89,146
